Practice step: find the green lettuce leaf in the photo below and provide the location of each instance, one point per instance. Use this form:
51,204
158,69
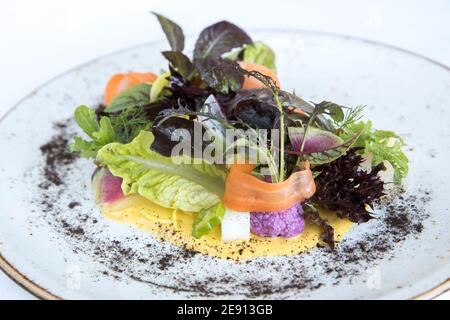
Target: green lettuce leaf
101,133
260,53
86,120
172,182
384,145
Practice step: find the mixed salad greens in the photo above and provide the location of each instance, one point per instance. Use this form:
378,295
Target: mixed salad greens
316,155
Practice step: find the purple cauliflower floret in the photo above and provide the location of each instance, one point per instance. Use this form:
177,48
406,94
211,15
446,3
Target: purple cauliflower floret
287,223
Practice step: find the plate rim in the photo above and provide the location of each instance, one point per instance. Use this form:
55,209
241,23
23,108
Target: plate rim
42,293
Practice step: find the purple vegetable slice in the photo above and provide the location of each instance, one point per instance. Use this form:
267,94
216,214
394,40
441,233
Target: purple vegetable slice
320,146
107,187
317,140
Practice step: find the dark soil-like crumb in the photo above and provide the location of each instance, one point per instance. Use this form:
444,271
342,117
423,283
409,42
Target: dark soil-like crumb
56,156
73,204
166,261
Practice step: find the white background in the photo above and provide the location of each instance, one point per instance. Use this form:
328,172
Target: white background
40,39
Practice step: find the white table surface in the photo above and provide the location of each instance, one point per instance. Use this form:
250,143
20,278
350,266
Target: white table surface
40,39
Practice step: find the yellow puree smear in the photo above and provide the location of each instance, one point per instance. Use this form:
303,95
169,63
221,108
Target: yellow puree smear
176,227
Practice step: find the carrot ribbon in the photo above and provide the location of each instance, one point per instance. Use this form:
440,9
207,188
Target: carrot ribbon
244,192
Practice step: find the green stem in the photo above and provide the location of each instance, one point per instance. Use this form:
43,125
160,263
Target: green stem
280,108
305,133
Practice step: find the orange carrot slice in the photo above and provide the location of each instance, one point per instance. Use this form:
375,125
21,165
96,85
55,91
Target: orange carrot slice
252,83
122,81
244,192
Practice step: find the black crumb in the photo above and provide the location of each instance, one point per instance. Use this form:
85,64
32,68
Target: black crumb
73,204
56,156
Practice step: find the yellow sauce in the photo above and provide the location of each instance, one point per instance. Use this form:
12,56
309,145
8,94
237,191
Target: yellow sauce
176,228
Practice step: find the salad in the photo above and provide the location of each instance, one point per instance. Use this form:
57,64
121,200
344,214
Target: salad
215,144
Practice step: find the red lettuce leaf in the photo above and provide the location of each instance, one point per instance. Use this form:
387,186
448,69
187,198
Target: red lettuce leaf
180,63
256,113
164,130
218,39
222,75
173,32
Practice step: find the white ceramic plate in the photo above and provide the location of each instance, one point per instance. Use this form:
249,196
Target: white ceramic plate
58,251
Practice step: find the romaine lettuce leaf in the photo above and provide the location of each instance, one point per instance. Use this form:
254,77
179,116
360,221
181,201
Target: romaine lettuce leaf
172,182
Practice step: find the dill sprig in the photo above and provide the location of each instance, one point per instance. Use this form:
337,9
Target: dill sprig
128,123
351,116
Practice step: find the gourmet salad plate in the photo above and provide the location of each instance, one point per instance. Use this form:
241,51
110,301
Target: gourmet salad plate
351,200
